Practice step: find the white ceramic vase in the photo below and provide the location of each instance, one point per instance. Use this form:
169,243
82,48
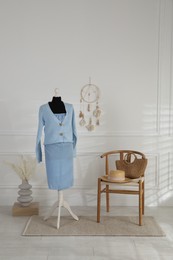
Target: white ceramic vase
25,192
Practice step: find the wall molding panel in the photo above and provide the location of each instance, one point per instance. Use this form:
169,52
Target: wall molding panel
85,190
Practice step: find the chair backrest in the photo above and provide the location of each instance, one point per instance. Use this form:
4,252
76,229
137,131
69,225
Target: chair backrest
132,162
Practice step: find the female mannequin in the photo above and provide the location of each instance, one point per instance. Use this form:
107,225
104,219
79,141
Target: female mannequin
57,118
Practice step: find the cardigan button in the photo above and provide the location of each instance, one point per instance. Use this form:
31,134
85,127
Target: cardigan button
60,124
61,134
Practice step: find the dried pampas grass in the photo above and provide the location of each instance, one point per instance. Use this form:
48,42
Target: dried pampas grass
25,168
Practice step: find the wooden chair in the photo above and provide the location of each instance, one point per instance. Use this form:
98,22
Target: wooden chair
121,187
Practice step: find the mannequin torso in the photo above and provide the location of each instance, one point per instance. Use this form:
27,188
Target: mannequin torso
57,105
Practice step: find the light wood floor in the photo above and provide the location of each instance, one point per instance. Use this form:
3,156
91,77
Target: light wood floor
13,246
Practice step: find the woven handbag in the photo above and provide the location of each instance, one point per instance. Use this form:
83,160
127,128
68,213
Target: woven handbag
133,169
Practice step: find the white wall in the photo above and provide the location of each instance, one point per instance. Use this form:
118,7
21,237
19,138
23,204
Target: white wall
125,46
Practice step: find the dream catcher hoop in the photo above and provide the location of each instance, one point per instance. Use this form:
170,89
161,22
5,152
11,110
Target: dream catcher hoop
89,106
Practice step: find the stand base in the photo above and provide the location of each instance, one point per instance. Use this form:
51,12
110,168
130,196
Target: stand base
32,209
60,203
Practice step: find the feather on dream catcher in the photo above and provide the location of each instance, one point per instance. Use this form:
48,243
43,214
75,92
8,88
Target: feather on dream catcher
89,106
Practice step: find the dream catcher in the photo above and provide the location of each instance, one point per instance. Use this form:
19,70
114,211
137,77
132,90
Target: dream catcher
89,107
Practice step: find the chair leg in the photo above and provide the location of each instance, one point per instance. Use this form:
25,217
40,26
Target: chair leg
143,197
107,198
140,203
98,200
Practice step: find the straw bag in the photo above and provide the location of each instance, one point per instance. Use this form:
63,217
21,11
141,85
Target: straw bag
133,169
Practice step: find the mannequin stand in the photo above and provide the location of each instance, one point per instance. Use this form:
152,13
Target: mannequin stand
60,203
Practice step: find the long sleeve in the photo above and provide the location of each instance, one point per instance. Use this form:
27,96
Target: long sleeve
39,134
74,133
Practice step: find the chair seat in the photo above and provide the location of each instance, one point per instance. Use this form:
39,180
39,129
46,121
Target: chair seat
127,181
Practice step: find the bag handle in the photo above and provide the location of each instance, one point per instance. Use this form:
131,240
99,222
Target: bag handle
127,158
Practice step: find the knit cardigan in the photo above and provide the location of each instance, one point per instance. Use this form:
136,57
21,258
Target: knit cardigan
55,131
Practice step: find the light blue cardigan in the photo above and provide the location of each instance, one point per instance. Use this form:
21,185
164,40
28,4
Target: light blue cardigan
54,130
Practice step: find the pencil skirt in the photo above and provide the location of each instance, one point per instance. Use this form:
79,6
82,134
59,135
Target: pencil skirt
59,165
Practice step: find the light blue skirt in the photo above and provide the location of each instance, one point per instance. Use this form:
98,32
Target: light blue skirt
59,165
